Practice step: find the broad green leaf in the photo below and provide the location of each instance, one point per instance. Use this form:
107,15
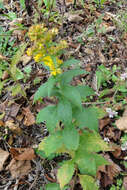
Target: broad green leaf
46,89
70,62
51,143
48,114
51,83
92,142
65,173
41,92
67,76
88,182
64,111
72,94
52,186
88,163
70,138
87,118
85,91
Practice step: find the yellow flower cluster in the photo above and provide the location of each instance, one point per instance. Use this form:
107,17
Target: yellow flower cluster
44,48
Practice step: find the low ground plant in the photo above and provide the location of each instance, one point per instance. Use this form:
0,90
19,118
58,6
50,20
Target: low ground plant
73,128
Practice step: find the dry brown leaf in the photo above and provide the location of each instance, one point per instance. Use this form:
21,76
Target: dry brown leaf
25,59
1,123
101,57
89,51
29,117
122,122
22,153
73,17
125,182
5,75
19,168
13,127
3,157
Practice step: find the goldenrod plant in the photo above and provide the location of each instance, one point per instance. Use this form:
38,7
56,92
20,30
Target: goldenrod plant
73,128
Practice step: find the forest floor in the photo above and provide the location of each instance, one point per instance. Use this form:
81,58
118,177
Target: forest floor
97,36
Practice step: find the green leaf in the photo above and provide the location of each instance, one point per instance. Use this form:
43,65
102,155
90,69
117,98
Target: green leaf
86,118
92,142
70,62
51,144
41,92
52,186
67,76
46,89
72,94
64,111
88,182
51,83
85,91
22,3
18,74
16,58
65,173
70,138
88,163
48,114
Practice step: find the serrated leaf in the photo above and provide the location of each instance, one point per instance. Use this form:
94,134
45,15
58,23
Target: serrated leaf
65,173
16,58
85,91
48,114
87,118
14,71
67,76
92,142
70,62
52,186
88,182
64,111
72,94
51,143
88,163
70,137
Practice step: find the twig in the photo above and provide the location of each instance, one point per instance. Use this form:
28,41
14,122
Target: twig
33,182
95,103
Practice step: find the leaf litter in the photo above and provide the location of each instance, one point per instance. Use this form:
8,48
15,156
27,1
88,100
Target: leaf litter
17,122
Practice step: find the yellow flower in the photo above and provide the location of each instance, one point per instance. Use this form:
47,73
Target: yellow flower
29,52
59,61
38,57
47,60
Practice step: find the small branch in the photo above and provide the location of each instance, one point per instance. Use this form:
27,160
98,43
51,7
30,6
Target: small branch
95,103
